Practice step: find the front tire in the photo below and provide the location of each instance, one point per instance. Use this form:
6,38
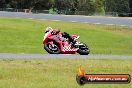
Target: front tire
83,50
48,47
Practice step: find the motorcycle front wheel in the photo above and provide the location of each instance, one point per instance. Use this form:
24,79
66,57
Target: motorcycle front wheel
52,48
83,50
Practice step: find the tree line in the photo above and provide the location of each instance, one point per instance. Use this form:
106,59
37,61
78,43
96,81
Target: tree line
89,6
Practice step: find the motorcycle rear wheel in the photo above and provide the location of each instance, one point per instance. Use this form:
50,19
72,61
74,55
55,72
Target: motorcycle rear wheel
50,50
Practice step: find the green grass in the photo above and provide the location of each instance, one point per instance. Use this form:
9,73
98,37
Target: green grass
19,35
59,73
25,36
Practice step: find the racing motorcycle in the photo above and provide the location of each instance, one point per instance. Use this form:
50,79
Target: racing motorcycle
56,44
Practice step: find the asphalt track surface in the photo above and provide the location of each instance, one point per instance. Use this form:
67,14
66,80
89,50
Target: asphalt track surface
60,56
123,21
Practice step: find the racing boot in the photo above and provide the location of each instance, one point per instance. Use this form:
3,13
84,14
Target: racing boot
73,43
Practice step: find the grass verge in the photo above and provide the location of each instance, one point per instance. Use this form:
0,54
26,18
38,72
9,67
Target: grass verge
58,73
19,35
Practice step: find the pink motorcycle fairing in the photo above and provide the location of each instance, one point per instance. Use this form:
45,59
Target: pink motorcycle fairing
64,46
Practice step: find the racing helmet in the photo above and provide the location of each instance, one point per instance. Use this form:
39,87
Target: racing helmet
48,29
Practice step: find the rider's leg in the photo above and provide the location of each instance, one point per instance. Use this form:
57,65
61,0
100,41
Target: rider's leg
66,35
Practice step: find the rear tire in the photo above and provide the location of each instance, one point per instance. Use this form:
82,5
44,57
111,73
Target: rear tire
47,48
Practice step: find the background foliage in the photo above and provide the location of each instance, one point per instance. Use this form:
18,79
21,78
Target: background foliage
90,6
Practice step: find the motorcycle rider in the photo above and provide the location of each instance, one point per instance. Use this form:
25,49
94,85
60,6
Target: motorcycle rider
64,34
